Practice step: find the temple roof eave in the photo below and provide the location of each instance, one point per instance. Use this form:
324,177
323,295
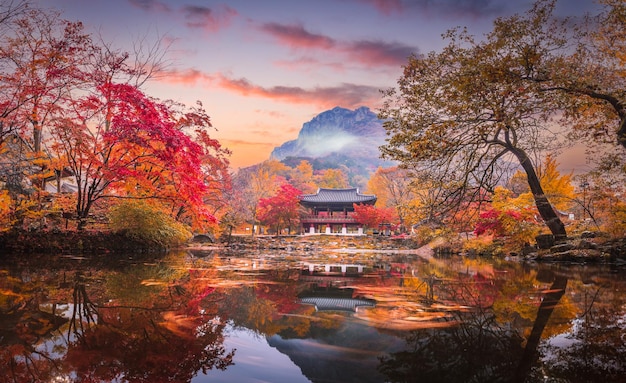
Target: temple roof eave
338,198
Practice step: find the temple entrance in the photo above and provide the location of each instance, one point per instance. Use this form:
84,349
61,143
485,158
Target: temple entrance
331,211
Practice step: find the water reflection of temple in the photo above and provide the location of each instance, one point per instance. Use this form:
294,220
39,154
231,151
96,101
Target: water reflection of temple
334,268
337,274
334,299
325,287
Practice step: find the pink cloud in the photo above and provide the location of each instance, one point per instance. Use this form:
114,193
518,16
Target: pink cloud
378,53
186,77
306,62
473,9
349,95
195,16
296,36
370,53
210,19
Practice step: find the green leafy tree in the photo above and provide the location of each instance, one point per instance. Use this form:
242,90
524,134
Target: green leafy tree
140,220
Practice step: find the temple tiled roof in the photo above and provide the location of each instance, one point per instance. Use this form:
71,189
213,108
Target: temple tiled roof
349,195
337,304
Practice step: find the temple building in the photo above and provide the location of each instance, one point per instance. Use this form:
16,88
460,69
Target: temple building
331,211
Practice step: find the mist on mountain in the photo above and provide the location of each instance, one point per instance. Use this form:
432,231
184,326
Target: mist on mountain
338,138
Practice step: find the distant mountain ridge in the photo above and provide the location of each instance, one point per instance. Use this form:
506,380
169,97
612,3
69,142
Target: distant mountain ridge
338,138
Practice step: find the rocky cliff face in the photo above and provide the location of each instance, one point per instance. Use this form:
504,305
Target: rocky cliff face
336,138
342,131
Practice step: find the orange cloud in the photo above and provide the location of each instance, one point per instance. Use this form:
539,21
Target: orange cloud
346,95
271,113
255,144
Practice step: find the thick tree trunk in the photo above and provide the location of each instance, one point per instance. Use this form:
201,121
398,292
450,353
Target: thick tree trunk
550,217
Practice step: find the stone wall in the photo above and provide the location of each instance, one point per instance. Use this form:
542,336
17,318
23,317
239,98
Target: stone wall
73,242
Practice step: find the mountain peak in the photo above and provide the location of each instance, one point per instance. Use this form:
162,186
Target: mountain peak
338,130
339,138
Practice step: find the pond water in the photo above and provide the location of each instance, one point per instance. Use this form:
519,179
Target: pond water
205,315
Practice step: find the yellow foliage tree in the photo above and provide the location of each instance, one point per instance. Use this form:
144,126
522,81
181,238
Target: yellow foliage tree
393,188
5,210
558,188
332,178
302,177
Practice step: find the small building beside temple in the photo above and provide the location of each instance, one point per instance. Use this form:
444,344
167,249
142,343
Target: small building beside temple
330,211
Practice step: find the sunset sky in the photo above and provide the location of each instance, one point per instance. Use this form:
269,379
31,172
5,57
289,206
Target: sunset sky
262,68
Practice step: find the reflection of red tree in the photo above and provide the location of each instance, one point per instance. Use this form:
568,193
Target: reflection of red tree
487,289
163,338
476,290
193,307
23,363
283,296
148,345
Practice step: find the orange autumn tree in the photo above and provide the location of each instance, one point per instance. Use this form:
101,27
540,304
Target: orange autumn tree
504,217
393,188
302,178
468,113
332,178
5,210
252,184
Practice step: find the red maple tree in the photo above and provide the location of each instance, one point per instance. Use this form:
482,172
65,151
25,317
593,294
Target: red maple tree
281,210
121,143
372,216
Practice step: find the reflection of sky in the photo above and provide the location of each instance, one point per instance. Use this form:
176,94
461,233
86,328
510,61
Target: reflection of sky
255,361
56,345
